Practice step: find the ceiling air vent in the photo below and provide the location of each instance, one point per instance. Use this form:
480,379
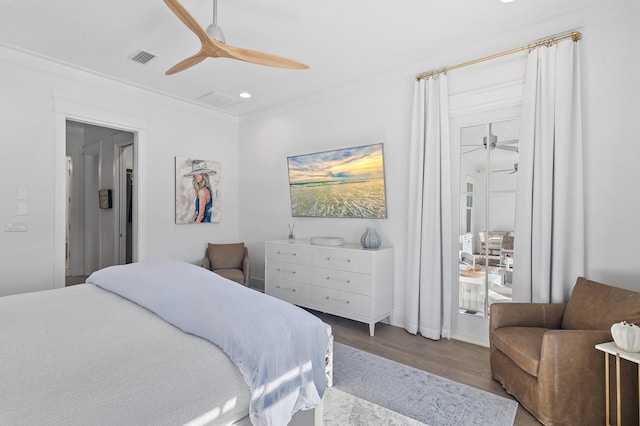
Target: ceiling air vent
217,99
142,57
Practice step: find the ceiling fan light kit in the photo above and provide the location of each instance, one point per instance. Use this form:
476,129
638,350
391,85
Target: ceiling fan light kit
213,44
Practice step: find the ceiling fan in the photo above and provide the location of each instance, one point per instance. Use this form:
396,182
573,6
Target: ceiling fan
493,143
213,44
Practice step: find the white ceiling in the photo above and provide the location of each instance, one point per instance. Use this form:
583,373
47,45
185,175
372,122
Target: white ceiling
341,40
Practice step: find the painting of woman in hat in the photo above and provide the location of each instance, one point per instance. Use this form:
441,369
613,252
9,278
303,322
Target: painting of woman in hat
200,205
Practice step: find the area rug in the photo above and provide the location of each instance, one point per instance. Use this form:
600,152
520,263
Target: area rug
415,393
343,409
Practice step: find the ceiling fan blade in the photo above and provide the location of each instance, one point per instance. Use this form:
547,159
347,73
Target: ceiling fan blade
510,141
187,63
187,19
507,148
474,149
262,58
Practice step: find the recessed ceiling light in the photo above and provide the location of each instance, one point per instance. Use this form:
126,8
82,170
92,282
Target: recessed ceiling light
245,95
506,1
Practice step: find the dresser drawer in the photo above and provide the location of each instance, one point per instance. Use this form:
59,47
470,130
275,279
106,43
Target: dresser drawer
341,302
289,271
294,292
345,260
289,253
353,282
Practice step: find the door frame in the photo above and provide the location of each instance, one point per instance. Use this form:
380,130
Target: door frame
120,202
470,328
67,110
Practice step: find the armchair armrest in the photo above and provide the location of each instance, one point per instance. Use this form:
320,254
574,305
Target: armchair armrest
544,315
206,263
245,268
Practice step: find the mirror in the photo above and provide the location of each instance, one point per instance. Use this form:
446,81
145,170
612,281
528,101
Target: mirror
488,178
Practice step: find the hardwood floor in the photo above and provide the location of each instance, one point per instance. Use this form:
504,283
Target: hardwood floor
463,362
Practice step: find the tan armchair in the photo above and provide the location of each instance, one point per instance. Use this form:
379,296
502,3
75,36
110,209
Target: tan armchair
228,260
544,354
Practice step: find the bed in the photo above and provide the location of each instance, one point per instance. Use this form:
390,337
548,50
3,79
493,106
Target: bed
159,343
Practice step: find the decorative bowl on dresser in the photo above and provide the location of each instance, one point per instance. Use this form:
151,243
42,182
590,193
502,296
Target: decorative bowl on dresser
347,281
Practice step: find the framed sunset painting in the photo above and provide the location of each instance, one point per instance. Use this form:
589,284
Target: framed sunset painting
346,183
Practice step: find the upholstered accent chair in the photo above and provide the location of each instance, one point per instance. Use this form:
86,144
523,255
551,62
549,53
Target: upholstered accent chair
544,354
228,260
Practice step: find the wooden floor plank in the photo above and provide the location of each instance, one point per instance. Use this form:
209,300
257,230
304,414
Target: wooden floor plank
460,361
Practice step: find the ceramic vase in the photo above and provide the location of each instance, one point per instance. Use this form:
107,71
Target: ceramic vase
370,239
626,336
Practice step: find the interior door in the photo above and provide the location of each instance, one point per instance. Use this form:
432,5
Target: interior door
125,204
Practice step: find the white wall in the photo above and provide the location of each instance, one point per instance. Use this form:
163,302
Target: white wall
380,110
611,89
30,91
381,113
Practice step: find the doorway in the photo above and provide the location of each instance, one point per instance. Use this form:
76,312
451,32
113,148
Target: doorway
98,234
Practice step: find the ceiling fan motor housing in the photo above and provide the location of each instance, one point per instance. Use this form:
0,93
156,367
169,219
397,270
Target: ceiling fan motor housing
493,140
215,32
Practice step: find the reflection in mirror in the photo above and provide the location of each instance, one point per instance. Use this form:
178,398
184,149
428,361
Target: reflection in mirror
488,176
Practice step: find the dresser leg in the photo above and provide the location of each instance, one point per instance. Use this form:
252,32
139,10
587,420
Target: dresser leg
372,328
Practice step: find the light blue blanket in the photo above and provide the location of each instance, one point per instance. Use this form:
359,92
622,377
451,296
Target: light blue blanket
279,348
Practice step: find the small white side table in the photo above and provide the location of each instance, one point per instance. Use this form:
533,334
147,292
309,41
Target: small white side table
610,348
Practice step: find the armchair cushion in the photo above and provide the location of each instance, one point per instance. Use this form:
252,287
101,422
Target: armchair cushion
595,306
226,256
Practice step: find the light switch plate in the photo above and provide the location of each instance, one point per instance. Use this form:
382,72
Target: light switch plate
22,226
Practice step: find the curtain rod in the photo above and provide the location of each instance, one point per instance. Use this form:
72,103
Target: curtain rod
575,35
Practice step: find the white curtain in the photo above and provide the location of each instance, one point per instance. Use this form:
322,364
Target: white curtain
549,230
428,287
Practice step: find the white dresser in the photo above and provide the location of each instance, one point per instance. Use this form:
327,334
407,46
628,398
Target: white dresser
347,281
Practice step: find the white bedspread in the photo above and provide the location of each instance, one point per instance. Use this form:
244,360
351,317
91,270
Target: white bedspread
279,348
83,356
